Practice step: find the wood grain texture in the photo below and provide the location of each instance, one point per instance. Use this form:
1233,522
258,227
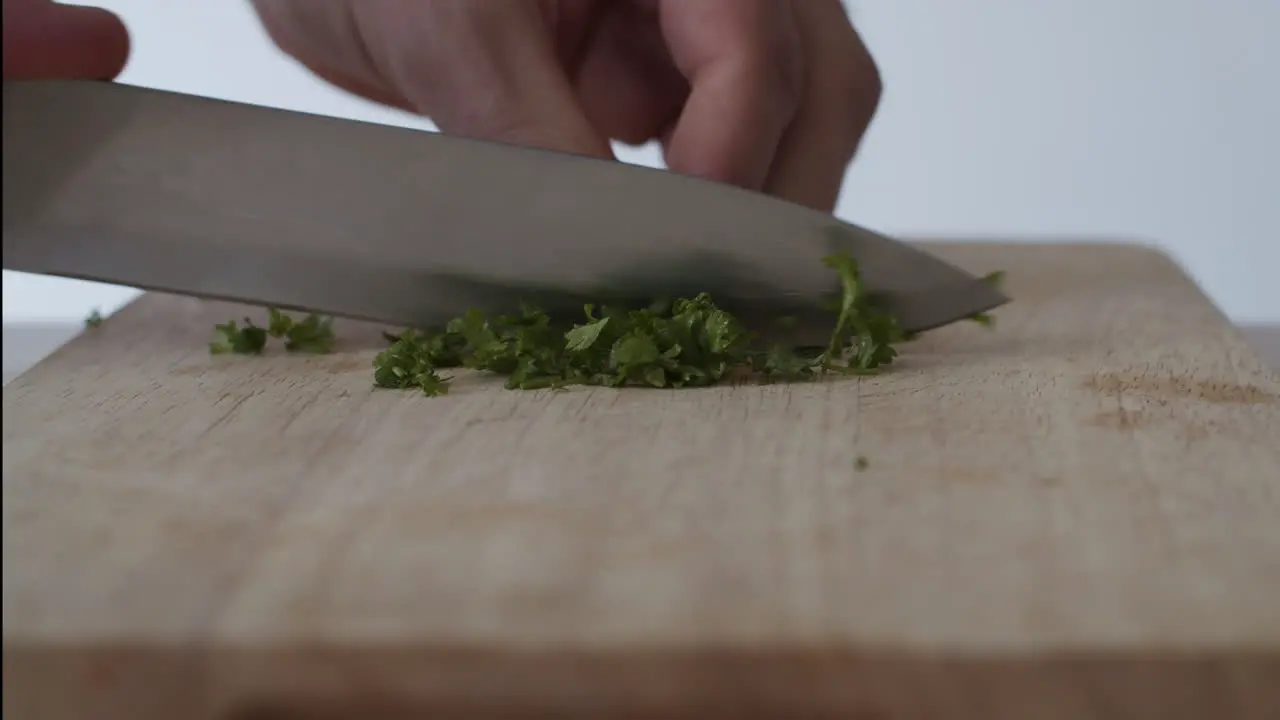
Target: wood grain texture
1073,516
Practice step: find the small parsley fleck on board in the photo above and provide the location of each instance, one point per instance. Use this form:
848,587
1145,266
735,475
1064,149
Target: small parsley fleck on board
860,464
995,280
94,319
230,338
313,334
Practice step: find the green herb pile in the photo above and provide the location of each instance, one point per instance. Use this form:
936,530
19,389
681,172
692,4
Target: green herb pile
313,334
685,343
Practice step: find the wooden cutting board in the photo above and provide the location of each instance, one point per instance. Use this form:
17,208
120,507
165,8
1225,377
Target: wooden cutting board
1074,516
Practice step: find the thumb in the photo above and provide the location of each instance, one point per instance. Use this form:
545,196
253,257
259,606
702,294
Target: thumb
43,39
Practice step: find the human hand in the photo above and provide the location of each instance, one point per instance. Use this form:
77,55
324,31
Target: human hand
44,39
772,95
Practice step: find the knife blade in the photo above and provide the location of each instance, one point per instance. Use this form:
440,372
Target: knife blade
184,194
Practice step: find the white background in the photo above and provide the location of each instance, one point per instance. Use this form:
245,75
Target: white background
1122,119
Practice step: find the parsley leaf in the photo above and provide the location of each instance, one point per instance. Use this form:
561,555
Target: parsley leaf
249,340
94,319
313,334
406,364
863,333
995,279
583,337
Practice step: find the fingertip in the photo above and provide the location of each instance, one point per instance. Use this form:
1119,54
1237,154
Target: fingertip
96,40
108,42
51,40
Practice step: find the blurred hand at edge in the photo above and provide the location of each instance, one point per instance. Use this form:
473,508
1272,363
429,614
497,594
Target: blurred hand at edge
771,95
45,40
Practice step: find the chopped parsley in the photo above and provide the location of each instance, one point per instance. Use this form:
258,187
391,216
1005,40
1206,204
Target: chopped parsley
995,280
94,319
410,363
690,342
313,334
230,338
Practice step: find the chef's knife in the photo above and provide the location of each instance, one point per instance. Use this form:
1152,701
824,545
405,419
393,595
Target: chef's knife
178,193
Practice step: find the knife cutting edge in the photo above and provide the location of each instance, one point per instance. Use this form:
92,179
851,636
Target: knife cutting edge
178,193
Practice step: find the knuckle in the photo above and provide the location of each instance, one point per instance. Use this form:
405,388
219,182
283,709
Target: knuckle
317,32
274,16
856,91
867,85
786,77
780,64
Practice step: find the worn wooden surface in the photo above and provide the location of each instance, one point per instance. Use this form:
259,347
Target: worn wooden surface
1074,516
26,343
